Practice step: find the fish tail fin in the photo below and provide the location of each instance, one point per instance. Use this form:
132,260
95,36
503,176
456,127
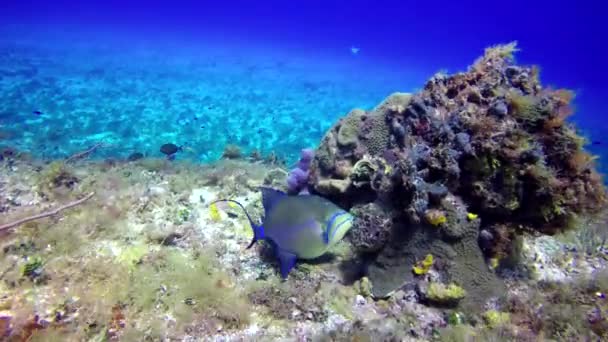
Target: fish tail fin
258,230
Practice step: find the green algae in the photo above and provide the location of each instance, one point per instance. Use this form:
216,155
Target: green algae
363,287
457,333
293,300
55,180
32,267
456,318
193,285
95,260
443,294
153,164
131,255
341,300
170,281
494,319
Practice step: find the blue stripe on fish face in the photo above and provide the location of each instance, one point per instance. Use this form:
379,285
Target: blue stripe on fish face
350,220
328,226
330,234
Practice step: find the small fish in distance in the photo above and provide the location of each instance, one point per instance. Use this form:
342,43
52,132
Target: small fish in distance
170,150
298,227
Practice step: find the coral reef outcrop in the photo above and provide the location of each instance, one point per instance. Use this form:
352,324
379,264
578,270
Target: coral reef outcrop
473,159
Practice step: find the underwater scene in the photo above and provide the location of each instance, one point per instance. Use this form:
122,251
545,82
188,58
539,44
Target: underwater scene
302,171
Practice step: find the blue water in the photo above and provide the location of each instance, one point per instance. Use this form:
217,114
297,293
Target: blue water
267,75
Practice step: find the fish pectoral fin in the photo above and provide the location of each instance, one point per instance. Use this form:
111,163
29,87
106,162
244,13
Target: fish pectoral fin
287,261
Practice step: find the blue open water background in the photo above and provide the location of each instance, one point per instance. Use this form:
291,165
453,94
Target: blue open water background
266,75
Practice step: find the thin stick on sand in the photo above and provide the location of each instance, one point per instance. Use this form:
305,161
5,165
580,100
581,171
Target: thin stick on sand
83,154
46,213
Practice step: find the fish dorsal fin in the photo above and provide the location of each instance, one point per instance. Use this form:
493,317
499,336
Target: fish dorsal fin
270,197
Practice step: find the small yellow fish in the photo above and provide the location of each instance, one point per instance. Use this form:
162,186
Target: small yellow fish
472,216
214,212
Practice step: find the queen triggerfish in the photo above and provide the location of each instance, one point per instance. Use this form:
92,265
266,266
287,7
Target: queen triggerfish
298,227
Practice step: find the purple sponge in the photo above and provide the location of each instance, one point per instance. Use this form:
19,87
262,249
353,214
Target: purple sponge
298,178
306,158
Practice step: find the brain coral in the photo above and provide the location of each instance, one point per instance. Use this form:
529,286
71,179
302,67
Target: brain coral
349,128
372,227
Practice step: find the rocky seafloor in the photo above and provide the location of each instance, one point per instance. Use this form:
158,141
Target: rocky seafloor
479,217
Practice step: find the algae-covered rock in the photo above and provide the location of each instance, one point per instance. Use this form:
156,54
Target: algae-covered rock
333,186
364,287
442,294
